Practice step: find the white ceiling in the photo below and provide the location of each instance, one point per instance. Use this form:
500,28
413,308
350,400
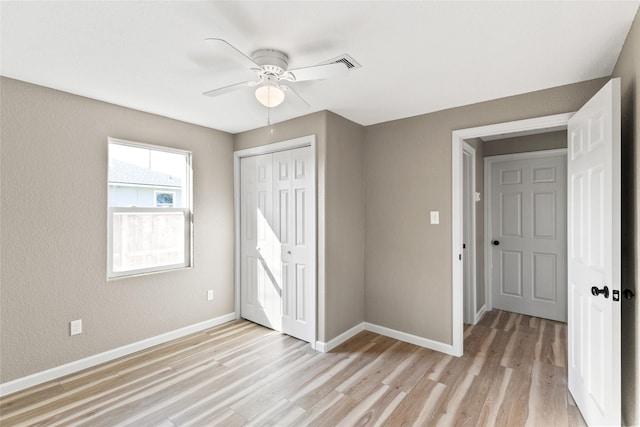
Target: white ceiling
417,57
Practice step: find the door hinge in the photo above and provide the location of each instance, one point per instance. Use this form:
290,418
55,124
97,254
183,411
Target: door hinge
464,246
460,257
616,295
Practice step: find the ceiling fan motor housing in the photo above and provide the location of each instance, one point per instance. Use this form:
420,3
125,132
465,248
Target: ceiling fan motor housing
272,61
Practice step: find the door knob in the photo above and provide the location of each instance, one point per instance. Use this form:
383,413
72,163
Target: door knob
496,242
604,291
628,294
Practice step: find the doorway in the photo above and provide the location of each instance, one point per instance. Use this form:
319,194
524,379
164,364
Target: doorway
275,234
593,173
516,128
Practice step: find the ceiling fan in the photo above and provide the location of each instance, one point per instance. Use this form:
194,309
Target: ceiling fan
271,69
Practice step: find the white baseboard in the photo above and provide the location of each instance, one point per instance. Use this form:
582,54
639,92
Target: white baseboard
392,333
412,339
107,356
325,347
479,314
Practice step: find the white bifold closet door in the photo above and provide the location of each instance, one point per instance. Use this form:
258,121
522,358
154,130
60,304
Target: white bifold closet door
277,238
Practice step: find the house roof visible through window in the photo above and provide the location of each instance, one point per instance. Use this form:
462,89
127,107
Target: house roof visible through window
125,173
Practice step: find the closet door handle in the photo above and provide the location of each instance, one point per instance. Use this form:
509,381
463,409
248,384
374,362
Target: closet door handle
604,291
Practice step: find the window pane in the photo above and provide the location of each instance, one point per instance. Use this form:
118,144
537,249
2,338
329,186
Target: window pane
137,174
143,240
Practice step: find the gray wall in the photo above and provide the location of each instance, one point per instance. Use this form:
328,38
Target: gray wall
340,154
628,69
522,144
408,173
53,220
345,225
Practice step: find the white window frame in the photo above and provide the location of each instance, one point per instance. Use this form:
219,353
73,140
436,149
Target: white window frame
187,212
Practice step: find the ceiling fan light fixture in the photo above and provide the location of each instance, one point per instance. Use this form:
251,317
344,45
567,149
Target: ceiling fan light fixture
270,95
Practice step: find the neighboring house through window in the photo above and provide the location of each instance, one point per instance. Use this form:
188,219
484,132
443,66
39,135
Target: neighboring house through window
149,227
164,199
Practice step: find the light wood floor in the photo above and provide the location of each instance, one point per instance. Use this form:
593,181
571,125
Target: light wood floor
513,374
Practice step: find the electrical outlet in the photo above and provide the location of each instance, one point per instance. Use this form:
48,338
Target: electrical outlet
210,295
75,327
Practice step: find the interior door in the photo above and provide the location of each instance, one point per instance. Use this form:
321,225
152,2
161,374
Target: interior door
594,257
528,225
277,238
294,225
261,293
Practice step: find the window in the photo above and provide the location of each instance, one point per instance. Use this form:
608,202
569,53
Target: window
149,225
164,199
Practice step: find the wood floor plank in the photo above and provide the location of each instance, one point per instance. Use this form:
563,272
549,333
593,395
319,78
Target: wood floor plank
264,398
318,387
513,373
519,351
495,397
548,396
408,372
374,408
281,413
360,384
418,407
317,411
513,410
251,378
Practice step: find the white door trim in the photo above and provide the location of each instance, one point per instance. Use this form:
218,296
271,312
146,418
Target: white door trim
305,141
457,140
472,314
488,164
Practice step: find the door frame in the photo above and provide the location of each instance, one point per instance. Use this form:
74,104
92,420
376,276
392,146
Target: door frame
470,310
488,164
304,141
521,127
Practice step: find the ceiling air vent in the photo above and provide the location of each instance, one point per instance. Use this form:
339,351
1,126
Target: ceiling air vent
346,60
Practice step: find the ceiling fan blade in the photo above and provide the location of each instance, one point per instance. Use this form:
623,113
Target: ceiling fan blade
231,50
296,98
317,72
230,88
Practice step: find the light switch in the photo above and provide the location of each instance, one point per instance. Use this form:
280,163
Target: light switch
75,327
435,217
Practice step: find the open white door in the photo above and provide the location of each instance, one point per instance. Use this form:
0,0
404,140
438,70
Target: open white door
594,257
